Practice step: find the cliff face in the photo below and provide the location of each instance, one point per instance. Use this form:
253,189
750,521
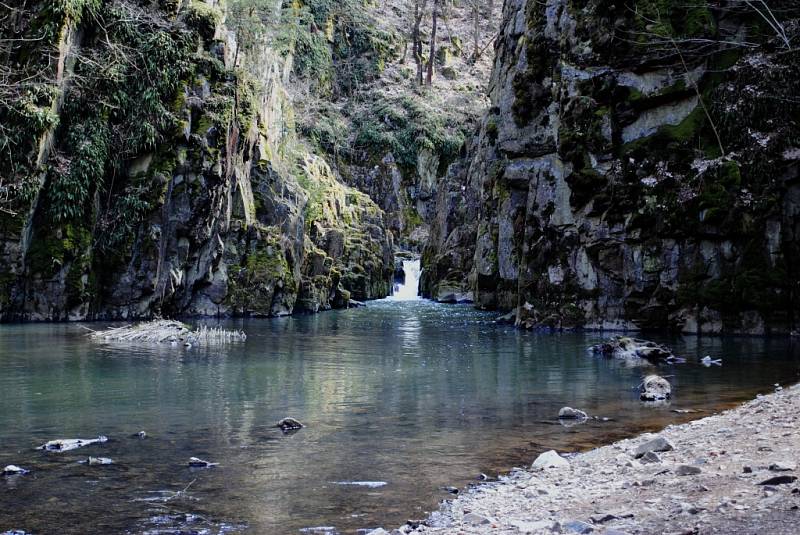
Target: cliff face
638,168
151,167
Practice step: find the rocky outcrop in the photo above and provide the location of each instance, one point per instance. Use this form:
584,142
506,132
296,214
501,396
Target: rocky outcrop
171,181
637,169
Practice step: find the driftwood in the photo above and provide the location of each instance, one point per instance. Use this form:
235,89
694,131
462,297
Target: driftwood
168,332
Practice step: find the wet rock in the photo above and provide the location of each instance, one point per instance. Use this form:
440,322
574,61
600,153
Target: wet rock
196,462
568,413
625,347
475,519
779,480
687,470
289,424
13,470
451,490
655,388
657,444
549,459
67,444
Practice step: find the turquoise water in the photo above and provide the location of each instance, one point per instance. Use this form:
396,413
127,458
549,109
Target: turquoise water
413,394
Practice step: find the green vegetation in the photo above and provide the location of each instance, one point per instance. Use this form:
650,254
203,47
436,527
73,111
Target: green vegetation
405,126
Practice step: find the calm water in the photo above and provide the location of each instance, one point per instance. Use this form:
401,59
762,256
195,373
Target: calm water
413,394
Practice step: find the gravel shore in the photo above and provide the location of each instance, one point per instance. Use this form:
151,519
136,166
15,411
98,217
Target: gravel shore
734,472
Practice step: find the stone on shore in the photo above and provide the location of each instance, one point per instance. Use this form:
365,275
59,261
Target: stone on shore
657,444
549,459
687,470
475,519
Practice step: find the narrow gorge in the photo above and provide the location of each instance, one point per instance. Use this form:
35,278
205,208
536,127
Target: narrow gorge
351,266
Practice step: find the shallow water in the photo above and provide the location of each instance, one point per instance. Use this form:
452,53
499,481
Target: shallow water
413,394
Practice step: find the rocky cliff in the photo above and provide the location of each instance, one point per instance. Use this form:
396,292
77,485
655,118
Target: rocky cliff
638,169
150,167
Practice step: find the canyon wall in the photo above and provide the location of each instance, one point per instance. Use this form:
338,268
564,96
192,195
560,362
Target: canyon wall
638,169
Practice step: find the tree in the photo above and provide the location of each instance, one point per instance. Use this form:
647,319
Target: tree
416,37
434,26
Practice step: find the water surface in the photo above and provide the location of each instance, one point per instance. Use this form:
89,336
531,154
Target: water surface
408,396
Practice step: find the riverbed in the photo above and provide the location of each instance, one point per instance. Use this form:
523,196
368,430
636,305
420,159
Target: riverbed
399,399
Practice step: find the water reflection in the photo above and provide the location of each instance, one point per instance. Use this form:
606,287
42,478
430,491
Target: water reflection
414,395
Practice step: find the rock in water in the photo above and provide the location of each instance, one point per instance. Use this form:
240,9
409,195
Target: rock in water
625,347
67,444
569,413
289,424
549,459
13,470
655,388
196,462
657,444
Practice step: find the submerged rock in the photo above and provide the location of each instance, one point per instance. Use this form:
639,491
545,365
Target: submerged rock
708,361
549,459
196,462
67,444
13,470
97,461
655,388
289,424
568,413
625,347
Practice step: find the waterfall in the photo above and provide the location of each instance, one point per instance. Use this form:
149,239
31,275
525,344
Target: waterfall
408,290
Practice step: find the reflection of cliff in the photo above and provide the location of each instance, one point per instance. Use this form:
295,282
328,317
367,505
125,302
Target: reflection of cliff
156,177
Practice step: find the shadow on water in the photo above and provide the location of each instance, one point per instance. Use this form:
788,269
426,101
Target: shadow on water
412,394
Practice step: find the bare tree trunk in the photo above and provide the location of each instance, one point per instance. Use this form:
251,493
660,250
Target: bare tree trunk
476,30
419,13
432,58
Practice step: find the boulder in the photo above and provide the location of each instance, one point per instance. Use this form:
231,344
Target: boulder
549,459
568,413
625,347
657,444
655,388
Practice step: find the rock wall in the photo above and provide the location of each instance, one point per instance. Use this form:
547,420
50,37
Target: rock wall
168,180
638,169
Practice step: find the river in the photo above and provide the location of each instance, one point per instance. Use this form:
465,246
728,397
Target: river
399,399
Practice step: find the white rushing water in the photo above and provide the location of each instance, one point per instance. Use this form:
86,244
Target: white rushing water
408,291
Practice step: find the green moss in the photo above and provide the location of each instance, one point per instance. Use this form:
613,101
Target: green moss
204,19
